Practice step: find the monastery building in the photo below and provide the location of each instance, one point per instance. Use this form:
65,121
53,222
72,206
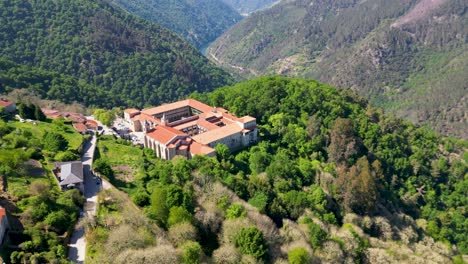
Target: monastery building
189,127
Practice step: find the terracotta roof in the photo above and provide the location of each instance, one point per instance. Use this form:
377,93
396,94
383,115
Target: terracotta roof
2,214
247,119
230,117
80,127
200,149
5,102
74,117
214,135
91,124
176,105
132,111
207,125
164,134
199,105
145,117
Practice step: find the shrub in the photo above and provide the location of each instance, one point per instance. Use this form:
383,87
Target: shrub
66,156
226,254
235,211
160,255
231,227
178,214
55,142
250,241
316,234
191,253
298,255
122,238
180,233
260,201
141,198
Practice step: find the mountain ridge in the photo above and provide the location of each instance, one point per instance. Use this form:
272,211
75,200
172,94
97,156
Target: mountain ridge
352,44
135,62
199,22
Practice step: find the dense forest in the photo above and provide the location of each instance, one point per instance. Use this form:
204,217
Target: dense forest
332,179
102,50
416,68
199,22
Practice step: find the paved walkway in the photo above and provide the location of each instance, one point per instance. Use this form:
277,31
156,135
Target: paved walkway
77,246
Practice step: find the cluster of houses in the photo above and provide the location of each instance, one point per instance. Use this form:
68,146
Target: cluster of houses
80,122
189,127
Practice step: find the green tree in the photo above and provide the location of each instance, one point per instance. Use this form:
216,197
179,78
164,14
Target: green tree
177,215
316,234
260,201
191,253
58,220
55,142
235,211
250,241
222,152
298,255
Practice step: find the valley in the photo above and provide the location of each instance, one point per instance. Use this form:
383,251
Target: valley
405,56
310,131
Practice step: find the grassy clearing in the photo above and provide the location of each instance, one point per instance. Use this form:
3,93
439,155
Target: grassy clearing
118,153
74,138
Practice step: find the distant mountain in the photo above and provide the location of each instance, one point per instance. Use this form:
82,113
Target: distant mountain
200,22
248,6
408,56
133,61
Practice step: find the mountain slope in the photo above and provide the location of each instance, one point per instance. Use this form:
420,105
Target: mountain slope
248,6
133,61
331,174
200,22
408,56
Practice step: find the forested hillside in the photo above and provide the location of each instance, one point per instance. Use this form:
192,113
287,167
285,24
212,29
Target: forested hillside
97,54
200,22
248,6
332,180
407,56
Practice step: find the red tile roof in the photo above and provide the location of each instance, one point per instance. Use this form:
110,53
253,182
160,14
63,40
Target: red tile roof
132,111
91,124
214,135
172,106
80,127
200,149
5,102
145,117
164,134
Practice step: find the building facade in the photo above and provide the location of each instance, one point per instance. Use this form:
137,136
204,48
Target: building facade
3,224
189,127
